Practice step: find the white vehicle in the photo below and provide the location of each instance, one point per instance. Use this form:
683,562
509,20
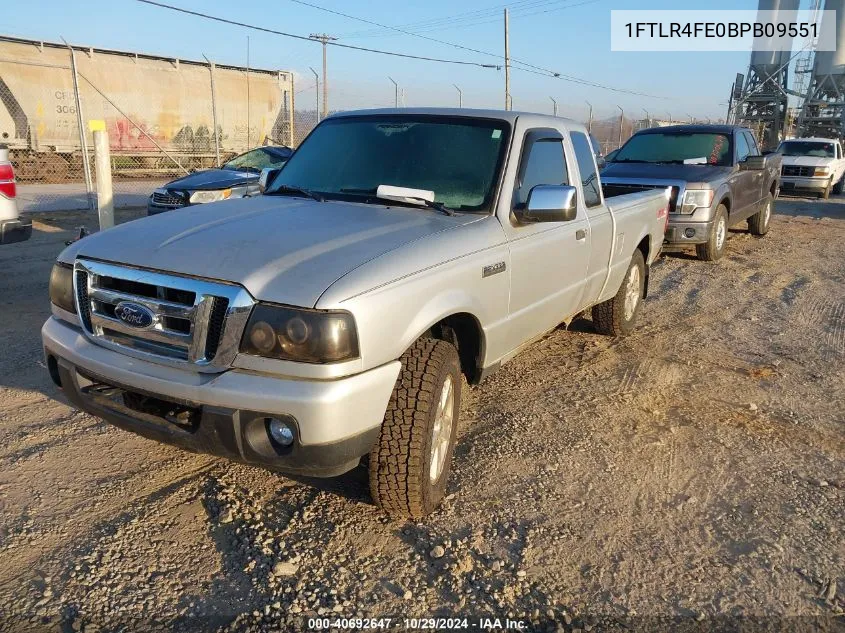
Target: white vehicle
812,164
12,228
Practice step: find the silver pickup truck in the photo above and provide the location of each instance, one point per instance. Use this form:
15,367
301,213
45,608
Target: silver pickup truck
337,315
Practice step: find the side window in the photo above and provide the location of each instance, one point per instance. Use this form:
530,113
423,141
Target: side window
752,144
587,168
742,149
545,166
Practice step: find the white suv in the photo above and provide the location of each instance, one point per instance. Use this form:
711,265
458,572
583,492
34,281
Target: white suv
12,227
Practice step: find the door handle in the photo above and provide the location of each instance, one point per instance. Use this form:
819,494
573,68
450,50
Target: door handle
580,235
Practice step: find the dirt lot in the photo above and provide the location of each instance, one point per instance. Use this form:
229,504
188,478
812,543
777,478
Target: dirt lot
689,477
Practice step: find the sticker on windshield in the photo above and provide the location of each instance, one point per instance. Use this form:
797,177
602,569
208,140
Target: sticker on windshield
497,133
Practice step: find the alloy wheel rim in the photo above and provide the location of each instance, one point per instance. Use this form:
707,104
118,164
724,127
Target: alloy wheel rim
441,432
767,214
720,234
632,293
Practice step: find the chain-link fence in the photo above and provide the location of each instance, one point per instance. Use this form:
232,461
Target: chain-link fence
165,117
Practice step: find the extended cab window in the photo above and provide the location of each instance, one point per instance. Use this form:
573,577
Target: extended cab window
545,165
587,167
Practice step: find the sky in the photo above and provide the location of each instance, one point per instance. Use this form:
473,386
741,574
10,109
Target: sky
568,36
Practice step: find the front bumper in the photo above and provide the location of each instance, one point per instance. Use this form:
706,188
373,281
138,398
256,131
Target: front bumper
335,422
17,230
788,183
681,232
155,209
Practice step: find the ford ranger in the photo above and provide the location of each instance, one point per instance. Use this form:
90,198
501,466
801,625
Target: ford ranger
812,164
337,315
718,178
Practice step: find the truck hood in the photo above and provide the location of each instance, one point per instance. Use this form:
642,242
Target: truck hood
213,179
705,174
808,161
283,250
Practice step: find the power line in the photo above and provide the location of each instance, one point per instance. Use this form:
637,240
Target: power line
310,39
528,67
465,17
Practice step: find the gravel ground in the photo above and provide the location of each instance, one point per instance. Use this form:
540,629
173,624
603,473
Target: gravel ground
688,477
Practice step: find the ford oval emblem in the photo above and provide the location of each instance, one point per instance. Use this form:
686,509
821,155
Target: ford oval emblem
134,314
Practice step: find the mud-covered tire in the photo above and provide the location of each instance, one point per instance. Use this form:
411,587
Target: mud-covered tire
713,249
402,481
618,316
758,224
824,195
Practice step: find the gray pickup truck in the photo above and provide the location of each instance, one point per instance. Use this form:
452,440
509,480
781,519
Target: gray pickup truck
337,315
717,175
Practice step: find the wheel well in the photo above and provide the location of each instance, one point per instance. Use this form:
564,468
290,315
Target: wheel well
464,332
727,202
773,189
645,248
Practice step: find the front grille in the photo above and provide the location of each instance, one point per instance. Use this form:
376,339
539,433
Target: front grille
621,189
168,199
185,321
797,170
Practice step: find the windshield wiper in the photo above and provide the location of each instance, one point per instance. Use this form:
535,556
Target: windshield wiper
290,190
437,206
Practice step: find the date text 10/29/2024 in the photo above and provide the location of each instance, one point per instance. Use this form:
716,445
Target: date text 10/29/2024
420,624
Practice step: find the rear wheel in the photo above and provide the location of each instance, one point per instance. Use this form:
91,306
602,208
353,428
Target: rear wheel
714,247
410,463
617,316
758,224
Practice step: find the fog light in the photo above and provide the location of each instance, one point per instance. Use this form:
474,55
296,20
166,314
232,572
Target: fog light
689,232
281,433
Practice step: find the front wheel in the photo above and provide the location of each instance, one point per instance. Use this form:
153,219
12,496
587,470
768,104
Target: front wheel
713,249
410,463
839,186
758,224
617,316
826,193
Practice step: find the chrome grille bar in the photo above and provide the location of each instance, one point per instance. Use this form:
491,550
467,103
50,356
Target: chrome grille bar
179,332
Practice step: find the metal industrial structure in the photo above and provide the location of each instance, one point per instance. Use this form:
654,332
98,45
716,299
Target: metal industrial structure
160,112
823,111
762,106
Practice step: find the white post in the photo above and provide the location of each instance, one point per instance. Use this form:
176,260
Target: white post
102,163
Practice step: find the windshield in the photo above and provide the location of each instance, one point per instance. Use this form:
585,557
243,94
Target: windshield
691,148
807,148
348,158
256,160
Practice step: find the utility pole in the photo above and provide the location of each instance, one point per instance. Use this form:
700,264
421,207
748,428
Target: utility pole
621,123
395,93
554,106
460,96
247,91
507,64
690,117
590,119
317,83
670,117
647,118
324,40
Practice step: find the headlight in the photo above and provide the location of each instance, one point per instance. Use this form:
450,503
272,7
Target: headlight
61,287
309,336
822,171
695,198
200,197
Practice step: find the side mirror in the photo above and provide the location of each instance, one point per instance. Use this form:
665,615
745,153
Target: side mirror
753,163
268,175
550,203
601,163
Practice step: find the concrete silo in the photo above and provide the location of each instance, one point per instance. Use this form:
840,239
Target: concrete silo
823,112
763,104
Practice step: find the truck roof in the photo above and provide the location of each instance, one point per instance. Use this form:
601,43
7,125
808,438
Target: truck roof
510,116
713,128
